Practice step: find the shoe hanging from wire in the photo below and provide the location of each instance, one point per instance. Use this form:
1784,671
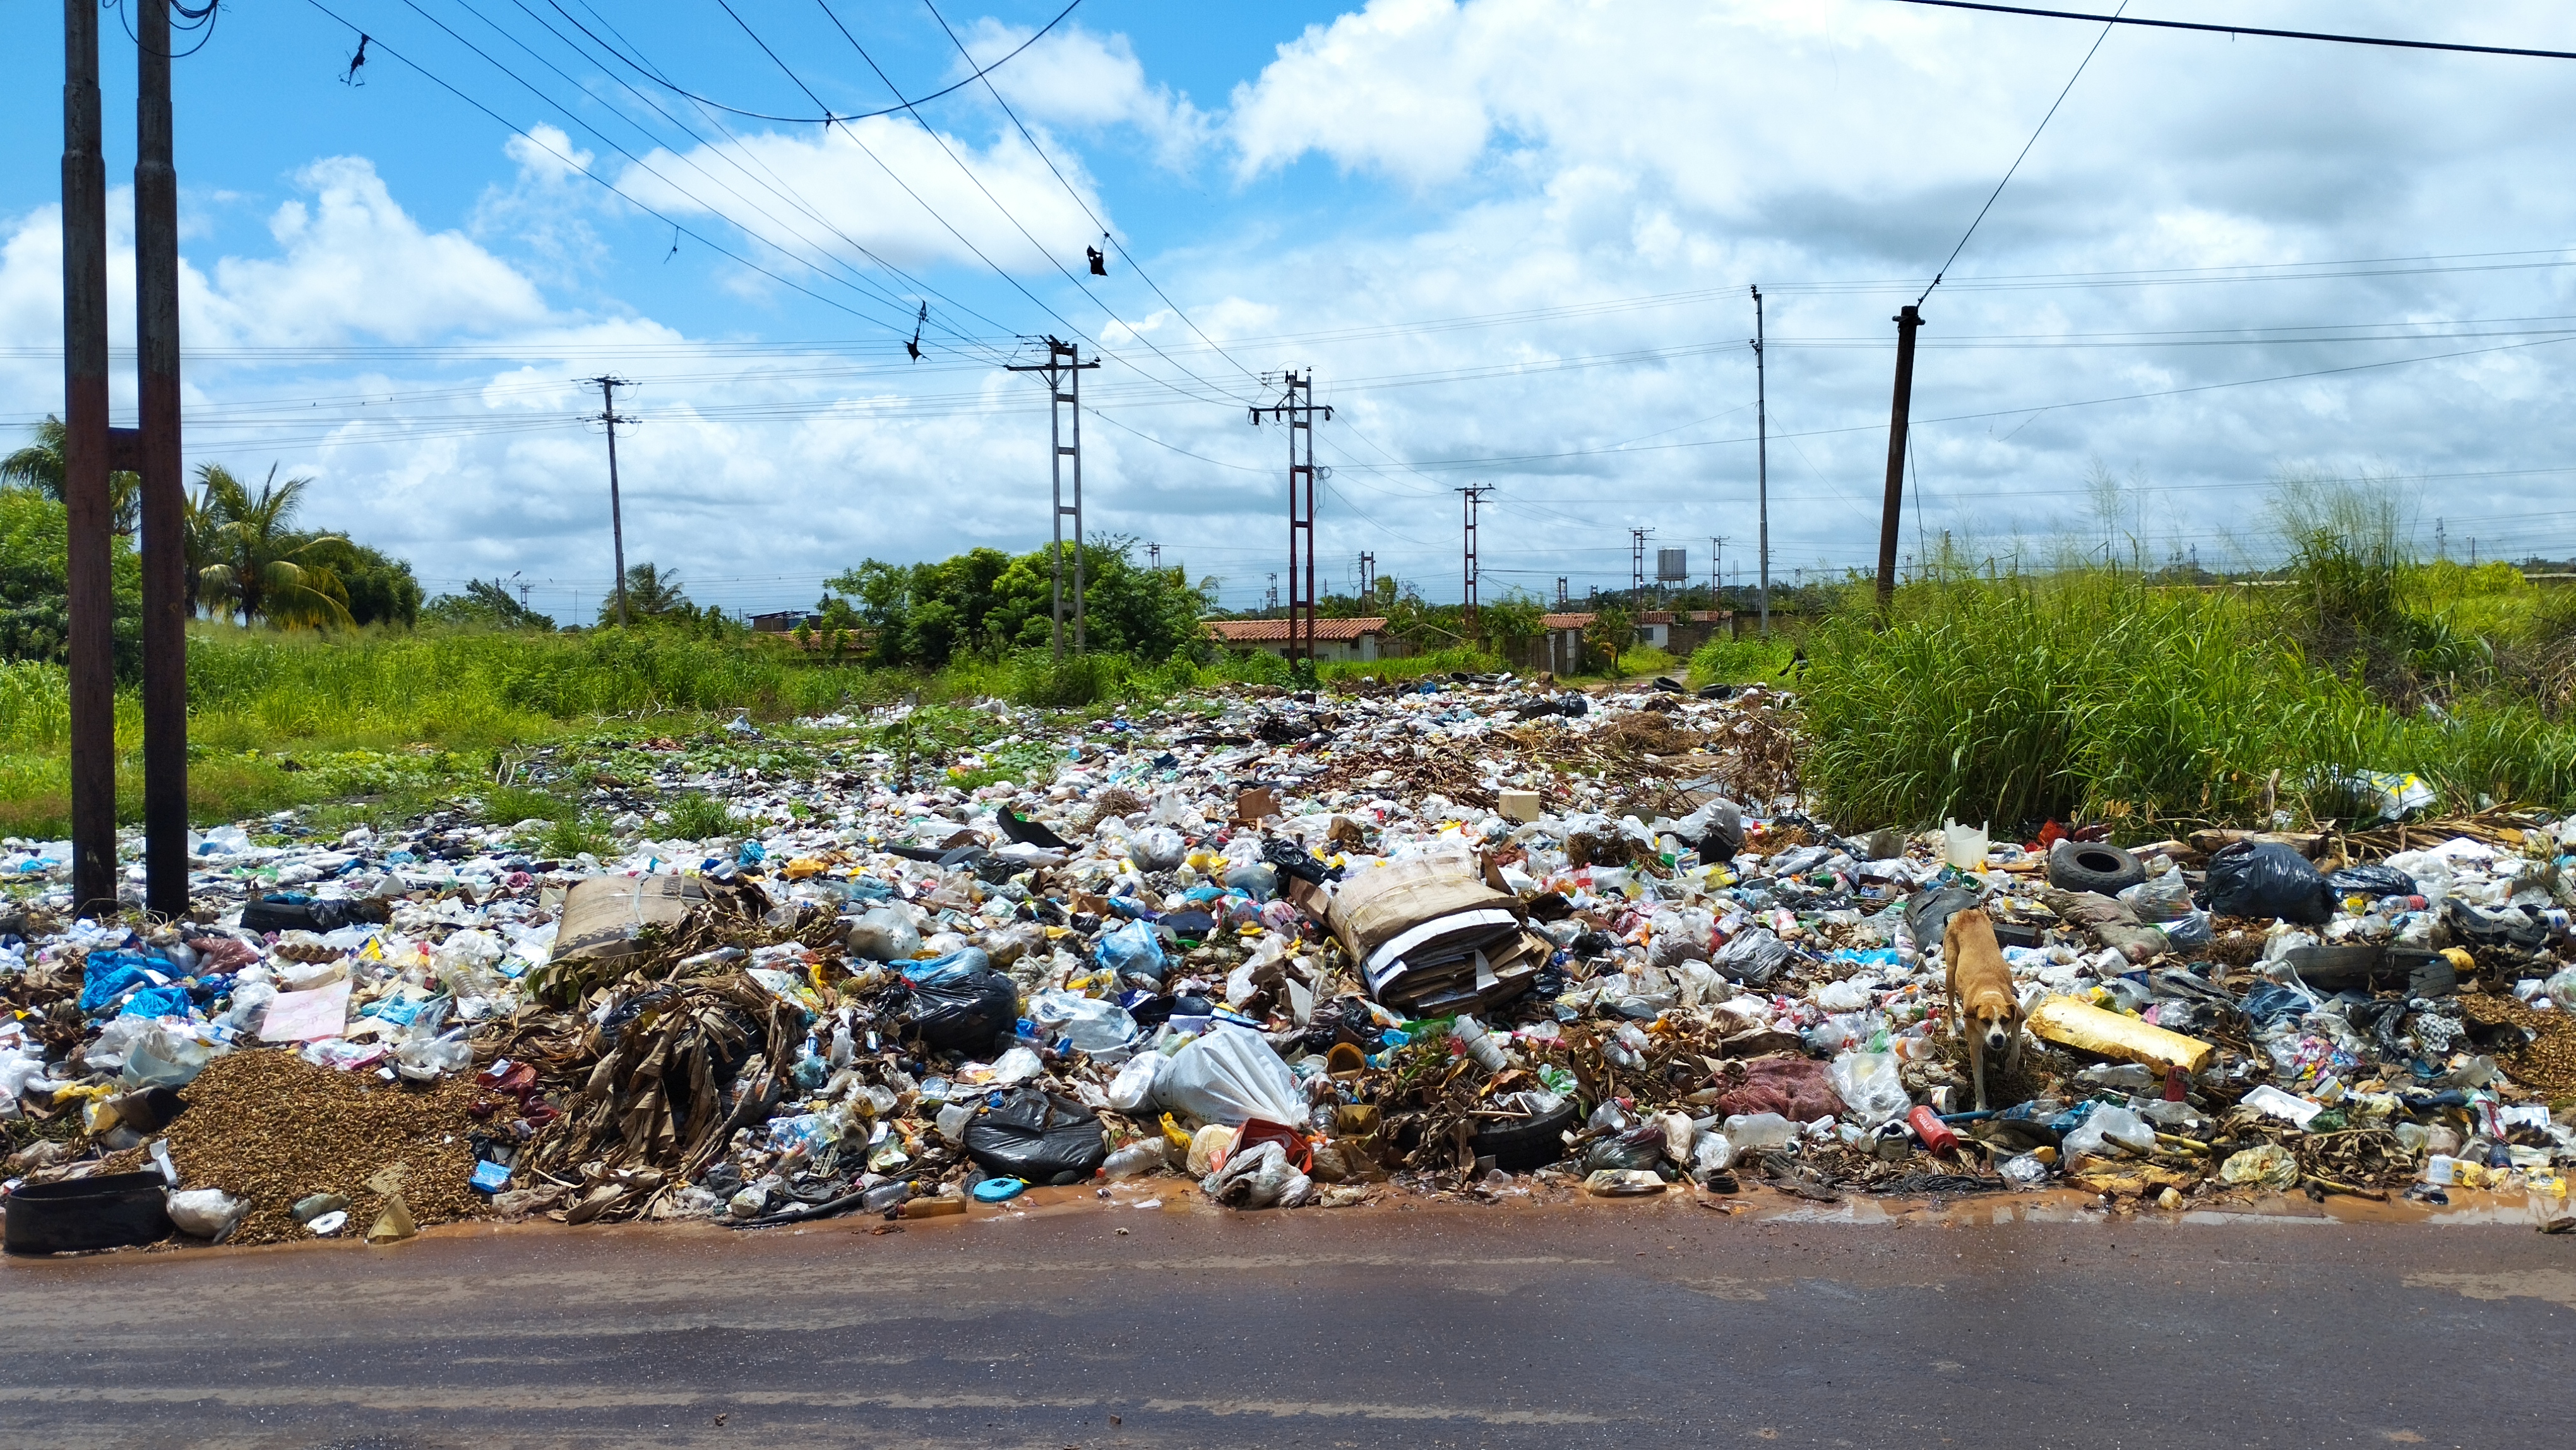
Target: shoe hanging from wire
1099,259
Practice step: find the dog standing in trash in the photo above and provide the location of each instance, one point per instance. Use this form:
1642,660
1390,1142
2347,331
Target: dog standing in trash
1982,1002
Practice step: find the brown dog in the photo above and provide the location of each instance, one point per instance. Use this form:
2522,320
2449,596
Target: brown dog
1982,1001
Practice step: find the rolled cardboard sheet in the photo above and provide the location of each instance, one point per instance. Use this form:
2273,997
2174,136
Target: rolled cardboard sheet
2070,1023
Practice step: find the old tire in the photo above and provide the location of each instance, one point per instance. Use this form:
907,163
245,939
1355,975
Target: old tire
1534,1144
2094,866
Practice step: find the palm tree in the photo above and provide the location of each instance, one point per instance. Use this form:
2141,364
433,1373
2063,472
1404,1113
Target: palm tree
650,594
42,466
261,567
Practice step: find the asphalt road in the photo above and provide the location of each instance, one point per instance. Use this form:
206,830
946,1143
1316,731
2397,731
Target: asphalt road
1622,1325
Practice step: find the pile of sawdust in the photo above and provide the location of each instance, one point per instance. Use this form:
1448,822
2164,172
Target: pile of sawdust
273,1128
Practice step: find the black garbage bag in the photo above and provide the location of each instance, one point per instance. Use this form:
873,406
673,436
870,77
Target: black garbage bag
1037,1136
1295,860
2502,926
2266,878
2371,881
963,1013
1639,1147
1928,912
1029,833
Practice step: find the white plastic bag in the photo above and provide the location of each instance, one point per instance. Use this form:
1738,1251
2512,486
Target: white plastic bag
885,935
1869,1087
1229,1075
1087,1024
2159,898
1258,1177
1132,1091
2106,1128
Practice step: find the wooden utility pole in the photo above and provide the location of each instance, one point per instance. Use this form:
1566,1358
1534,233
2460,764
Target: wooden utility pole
1907,320
1762,459
609,420
91,590
165,550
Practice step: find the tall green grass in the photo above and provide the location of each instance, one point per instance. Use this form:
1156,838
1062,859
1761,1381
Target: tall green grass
2092,694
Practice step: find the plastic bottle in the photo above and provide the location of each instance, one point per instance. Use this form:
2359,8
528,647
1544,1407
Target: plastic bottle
1136,1159
1479,1044
1751,1132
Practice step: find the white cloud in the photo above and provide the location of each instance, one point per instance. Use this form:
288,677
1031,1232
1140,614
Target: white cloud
1074,77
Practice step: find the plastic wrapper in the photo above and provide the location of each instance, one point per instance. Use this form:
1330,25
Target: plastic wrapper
1752,957
1134,951
1259,1177
1085,1024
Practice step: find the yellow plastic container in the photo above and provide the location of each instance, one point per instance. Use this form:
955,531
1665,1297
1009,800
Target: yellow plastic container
2070,1023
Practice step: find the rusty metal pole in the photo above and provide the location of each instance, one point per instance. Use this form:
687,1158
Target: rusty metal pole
165,553
1907,321
92,642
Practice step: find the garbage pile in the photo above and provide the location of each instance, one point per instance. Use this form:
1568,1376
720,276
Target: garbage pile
1459,937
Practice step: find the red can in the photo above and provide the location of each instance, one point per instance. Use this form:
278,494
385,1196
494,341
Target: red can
1936,1135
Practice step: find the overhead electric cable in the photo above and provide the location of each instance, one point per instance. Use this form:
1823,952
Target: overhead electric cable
2008,176
1076,194
657,78
2219,29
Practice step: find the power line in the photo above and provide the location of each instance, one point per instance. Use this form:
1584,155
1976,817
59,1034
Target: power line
2017,160
1041,248
2116,19
828,115
1077,196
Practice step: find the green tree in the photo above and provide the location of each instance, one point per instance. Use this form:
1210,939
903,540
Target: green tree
485,604
1511,622
651,594
42,466
1612,632
35,615
265,569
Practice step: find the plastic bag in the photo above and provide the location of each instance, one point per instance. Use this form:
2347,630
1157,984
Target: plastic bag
2106,1128
1132,1091
962,1013
885,934
424,1058
1868,1085
2159,899
1639,1147
1229,1075
1681,936
2266,878
2562,989
1037,1136
1134,951
1086,1024
161,1058
2371,881
1752,957
1157,848
1258,1177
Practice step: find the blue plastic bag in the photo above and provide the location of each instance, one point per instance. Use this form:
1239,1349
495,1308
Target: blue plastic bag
957,966
156,1002
106,976
1133,950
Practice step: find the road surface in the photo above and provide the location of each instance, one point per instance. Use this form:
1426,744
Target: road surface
1565,1325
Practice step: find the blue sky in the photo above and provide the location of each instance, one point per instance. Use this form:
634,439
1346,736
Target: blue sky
1512,238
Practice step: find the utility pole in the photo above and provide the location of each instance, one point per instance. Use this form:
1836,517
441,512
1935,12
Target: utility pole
1637,564
1270,597
1297,408
2441,546
164,511
1472,494
1368,575
1762,457
1715,593
1153,556
1560,591
1064,368
609,419
91,606
1908,319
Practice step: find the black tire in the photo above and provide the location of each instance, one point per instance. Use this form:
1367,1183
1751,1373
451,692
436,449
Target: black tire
2093,866
1534,1144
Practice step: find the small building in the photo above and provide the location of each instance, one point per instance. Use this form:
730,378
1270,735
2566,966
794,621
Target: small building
1560,643
1336,640
784,621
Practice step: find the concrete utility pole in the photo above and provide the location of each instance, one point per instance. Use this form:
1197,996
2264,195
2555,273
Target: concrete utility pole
1892,518
1270,596
1472,494
1064,368
1637,564
1715,545
1762,457
91,604
1368,575
1297,408
1153,556
608,419
164,512
1560,591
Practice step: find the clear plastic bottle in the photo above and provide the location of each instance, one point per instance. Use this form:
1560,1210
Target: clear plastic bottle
1146,1155
1751,1132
